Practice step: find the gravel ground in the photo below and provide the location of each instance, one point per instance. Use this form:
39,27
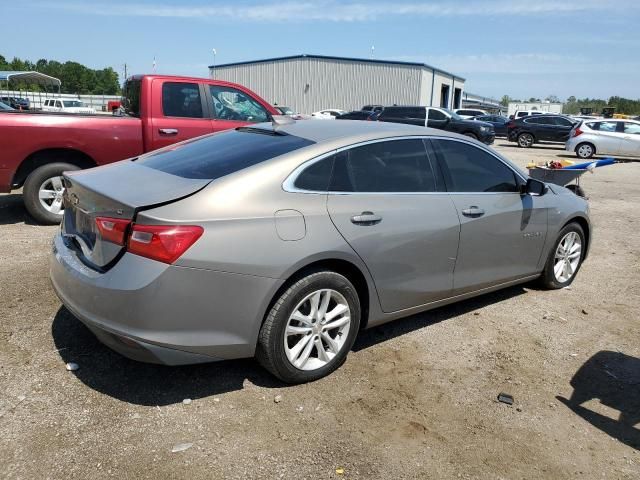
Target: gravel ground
415,399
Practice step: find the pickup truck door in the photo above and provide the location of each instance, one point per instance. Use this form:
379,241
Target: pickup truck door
231,107
179,112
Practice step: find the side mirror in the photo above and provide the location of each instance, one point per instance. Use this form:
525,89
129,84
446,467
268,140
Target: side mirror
534,187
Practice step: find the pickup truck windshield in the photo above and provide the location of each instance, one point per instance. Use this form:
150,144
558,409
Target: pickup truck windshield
223,153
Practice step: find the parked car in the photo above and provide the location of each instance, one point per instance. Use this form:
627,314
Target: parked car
159,111
532,129
605,137
66,106
469,113
17,103
438,118
328,114
158,256
373,108
637,119
358,115
4,106
499,123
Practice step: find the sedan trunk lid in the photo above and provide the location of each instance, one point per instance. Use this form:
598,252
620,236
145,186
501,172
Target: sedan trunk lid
116,191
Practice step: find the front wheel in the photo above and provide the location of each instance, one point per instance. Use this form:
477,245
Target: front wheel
525,140
565,258
310,328
43,190
471,135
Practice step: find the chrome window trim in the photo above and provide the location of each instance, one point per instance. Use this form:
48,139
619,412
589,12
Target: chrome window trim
289,183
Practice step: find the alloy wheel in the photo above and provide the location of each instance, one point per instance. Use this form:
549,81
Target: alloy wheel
317,329
525,140
50,195
567,257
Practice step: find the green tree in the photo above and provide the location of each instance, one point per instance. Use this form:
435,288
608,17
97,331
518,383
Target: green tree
506,99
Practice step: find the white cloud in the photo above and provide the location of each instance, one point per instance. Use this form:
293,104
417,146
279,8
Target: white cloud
335,11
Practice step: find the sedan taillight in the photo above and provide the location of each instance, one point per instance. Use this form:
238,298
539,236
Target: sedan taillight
164,243
112,230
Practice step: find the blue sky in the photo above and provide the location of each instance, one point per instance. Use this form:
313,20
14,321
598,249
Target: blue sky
515,47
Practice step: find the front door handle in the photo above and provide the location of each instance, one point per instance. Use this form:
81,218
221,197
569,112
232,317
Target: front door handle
168,131
366,219
473,212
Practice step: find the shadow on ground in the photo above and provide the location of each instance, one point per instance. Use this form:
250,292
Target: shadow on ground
146,384
614,379
12,210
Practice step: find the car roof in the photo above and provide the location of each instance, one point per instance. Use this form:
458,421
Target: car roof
350,131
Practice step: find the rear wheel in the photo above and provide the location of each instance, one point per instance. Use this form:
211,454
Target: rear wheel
42,193
565,258
585,151
525,140
310,328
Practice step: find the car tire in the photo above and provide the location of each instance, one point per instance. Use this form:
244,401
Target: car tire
525,140
554,277
281,344
471,135
46,180
585,151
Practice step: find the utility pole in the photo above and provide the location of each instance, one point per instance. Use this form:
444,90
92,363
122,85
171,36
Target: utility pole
213,73
125,71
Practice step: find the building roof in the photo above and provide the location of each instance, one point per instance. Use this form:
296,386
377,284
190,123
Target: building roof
348,59
29,77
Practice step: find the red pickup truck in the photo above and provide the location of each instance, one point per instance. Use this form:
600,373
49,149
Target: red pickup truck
35,148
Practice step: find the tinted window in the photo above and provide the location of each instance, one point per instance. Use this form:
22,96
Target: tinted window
521,114
232,104
221,154
563,122
131,98
437,115
539,120
316,177
632,128
393,166
181,100
471,169
403,112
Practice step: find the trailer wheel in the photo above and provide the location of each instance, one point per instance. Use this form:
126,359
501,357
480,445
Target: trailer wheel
42,193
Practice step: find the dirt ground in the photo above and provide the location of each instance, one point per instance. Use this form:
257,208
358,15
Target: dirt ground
415,399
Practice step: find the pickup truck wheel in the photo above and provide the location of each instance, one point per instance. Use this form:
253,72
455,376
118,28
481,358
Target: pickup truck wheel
42,193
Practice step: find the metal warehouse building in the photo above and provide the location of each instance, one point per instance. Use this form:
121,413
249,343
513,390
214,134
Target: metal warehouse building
308,83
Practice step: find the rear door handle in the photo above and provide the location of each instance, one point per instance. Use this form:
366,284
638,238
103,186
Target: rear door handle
473,212
168,131
366,219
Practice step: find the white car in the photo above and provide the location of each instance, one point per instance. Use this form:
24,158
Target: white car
328,114
67,106
468,113
605,137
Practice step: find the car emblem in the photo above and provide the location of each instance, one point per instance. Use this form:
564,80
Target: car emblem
74,199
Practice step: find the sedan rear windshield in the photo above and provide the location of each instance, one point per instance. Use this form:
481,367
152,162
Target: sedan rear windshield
223,153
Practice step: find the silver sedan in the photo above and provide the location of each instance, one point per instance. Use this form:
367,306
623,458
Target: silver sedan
282,241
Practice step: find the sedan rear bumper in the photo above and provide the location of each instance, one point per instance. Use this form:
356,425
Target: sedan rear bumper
157,313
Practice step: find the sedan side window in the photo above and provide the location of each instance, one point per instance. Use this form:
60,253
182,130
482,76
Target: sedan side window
391,166
471,169
232,104
316,177
633,128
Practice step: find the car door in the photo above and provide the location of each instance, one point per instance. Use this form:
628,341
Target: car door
437,119
502,232
563,127
232,108
388,204
179,115
630,143
607,137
